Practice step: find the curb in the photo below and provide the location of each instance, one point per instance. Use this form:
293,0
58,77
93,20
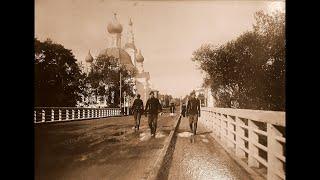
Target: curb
162,159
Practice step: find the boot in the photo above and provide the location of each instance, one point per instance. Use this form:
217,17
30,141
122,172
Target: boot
191,127
195,129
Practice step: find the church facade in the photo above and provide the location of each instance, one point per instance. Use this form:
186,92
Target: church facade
129,56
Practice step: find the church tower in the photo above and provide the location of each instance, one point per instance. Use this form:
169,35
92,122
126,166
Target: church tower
130,47
89,61
139,62
115,29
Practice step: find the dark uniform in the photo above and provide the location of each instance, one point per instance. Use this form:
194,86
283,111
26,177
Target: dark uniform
172,108
137,109
153,107
183,110
193,111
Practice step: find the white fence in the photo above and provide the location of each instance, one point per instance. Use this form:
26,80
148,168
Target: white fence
256,137
54,114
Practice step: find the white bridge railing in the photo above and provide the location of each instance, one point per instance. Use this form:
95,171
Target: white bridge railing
256,137
54,114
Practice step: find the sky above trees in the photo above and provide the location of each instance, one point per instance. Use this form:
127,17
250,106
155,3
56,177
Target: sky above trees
167,32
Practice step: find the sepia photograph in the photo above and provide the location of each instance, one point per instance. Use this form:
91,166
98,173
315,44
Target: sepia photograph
159,90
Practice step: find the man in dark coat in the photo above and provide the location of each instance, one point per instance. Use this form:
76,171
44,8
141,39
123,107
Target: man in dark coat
137,109
153,108
193,111
172,109
183,110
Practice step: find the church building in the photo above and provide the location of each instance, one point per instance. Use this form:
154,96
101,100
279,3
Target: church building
129,56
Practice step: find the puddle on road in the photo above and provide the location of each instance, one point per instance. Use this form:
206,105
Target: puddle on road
160,134
185,134
205,140
146,135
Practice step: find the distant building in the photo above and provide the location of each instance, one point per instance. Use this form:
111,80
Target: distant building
205,96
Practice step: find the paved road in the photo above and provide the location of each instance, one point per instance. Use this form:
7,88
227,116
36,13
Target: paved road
97,149
200,157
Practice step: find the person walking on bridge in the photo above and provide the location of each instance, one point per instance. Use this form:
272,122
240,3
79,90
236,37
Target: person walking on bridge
153,108
137,109
193,111
172,109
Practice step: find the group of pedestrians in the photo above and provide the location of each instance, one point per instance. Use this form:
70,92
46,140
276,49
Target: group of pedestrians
153,108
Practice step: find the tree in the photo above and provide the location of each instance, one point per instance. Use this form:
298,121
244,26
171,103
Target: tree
58,79
104,80
248,72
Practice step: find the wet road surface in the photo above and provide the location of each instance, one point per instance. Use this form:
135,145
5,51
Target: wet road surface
98,149
201,158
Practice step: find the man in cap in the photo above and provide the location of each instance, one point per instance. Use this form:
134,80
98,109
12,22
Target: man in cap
153,108
137,109
193,111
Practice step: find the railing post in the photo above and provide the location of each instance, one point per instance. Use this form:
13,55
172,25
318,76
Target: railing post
214,123
230,132
43,115
253,150
78,114
274,147
220,127
240,142
60,115
52,115
83,113
67,114
72,115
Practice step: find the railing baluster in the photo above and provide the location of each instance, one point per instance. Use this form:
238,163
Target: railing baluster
52,115
67,114
35,115
78,114
72,115
43,115
60,115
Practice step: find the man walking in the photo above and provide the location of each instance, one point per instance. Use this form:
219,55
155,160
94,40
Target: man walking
137,109
153,107
193,111
172,109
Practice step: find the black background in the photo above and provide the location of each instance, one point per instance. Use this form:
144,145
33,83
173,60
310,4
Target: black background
302,78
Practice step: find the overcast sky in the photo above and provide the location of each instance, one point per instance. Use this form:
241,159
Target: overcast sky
167,32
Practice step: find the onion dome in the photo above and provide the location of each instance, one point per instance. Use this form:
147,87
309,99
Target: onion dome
124,58
130,46
89,58
114,27
139,57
